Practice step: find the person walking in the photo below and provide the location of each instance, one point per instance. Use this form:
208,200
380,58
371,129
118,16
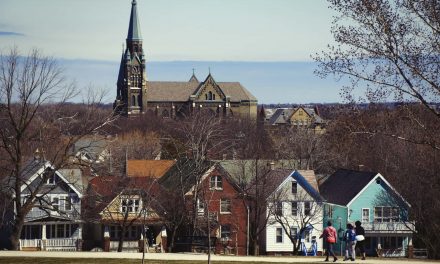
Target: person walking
350,243
330,237
360,238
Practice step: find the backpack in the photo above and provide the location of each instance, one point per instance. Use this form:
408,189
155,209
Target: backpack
351,235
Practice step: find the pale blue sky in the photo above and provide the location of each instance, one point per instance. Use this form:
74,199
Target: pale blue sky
181,30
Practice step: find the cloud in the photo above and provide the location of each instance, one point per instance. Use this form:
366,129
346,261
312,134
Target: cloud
10,33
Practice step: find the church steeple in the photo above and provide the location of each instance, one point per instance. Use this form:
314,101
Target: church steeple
132,79
134,31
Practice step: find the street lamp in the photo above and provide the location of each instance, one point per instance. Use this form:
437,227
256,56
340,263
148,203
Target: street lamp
340,233
144,230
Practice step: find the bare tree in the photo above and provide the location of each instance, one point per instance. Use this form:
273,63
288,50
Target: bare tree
390,49
33,92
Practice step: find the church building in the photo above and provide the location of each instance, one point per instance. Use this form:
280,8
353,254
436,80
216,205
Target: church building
172,99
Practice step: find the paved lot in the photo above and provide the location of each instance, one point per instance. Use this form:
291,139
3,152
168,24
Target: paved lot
189,256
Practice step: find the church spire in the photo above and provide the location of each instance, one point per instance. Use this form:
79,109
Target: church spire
134,31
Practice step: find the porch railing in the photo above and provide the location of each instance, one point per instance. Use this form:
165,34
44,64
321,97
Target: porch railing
389,226
30,243
127,246
53,244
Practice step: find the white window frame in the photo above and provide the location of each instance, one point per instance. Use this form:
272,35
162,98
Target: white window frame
216,182
277,236
294,207
363,219
228,205
129,205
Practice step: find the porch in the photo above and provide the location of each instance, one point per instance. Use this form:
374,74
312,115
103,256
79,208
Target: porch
54,244
52,236
389,227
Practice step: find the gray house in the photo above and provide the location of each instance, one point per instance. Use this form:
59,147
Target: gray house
54,222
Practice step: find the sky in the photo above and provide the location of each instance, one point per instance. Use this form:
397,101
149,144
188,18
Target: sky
264,44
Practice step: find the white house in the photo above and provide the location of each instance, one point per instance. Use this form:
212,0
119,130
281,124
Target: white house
295,213
54,222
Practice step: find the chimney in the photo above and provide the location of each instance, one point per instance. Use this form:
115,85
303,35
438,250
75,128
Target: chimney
37,154
224,156
361,167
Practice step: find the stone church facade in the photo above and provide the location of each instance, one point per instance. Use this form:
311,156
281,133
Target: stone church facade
170,99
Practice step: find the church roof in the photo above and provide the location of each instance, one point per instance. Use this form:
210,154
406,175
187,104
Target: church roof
181,91
134,30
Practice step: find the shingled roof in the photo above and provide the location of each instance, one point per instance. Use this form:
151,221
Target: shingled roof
343,185
181,91
148,168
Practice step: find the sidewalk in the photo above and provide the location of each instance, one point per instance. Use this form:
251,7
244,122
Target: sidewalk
195,257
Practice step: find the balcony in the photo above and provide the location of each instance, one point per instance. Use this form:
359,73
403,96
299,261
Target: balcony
389,227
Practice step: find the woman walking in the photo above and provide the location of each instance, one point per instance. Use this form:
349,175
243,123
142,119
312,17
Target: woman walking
360,238
329,236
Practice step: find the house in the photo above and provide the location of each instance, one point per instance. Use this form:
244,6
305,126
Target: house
297,117
123,211
54,222
294,213
215,206
368,197
91,149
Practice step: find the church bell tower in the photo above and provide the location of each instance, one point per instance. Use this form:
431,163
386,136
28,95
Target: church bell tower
132,79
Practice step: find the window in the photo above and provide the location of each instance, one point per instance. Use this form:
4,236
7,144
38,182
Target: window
365,215
225,206
386,214
60,230
307,208
294,233
55,203
294,187
294,208
216,182
51,178
225,231
130,205
279,208
279,235
165,114
200,207
213,96
329,211
133,100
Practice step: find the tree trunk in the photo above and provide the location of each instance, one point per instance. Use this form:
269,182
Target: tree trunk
255,247
121,239
173,237
16,232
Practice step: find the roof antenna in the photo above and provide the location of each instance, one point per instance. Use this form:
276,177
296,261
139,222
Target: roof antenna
209,69
123,47
193,71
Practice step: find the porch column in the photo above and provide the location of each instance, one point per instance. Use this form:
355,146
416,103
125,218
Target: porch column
79,239
43,237
410,247
106,245
164,245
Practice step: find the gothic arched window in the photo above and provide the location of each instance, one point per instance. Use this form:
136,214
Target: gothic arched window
210,95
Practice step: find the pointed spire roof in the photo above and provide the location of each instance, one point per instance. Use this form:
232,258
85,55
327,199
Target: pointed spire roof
193,78
134,30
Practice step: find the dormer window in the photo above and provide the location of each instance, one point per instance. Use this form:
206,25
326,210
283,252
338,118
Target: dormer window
51,180
130,205
216,182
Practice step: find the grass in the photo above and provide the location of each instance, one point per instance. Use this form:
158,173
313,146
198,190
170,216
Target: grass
30,260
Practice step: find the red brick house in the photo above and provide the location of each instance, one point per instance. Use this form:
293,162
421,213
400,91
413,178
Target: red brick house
215,202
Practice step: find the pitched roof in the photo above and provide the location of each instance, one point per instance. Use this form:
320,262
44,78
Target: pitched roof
343,185
31,167
243,171
75,177
148,168
281,116
181,91
307,180
183,174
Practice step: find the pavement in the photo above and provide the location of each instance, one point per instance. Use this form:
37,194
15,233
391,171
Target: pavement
195,257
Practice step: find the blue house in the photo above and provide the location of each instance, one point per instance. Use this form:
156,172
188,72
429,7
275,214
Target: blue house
368,197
